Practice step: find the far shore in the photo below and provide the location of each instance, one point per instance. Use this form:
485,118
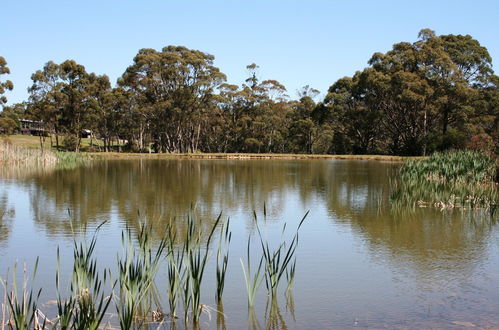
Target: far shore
124,155
33,142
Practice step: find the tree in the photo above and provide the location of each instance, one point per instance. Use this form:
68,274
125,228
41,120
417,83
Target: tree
175,90
415,98
62,97
6,85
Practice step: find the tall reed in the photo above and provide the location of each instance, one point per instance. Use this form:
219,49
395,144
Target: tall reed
137,271
90,300
222,259
22,306
16,155
252,281
463,179
197,257
278,260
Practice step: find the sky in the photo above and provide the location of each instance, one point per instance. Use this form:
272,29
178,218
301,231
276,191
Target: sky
297,43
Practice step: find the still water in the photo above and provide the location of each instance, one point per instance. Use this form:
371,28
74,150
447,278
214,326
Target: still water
359,263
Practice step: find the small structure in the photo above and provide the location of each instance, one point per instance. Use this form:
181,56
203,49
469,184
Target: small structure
33,127
86,133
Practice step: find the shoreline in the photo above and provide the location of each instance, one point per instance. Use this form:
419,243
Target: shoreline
240,156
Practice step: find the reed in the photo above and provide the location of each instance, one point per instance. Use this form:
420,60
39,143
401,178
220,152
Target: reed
252,281
70,160
278,260
137,271
17,155
197,257
90,302
462,179
22,306
65,307
87,304
222,259
175,268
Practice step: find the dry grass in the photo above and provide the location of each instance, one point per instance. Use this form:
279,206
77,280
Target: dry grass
11,154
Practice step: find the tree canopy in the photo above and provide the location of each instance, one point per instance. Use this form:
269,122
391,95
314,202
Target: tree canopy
435,93
5,85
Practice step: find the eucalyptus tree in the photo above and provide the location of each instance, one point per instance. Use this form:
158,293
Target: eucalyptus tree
415,98
7,85
302,130
63,96
175,92
256,113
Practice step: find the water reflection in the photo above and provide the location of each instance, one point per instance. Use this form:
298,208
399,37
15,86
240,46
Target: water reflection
425,247
6,216
354,192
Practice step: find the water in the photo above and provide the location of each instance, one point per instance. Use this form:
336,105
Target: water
360,265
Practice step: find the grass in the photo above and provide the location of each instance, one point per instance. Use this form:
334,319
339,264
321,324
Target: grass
30,141
462,179
22,155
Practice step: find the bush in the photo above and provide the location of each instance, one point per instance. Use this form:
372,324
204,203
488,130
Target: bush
70,142
482,142
7,126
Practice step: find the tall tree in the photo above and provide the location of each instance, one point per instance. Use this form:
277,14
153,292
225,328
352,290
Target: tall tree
175,86
6,85
62,96
418,96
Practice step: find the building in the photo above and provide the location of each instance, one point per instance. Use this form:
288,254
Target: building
33,127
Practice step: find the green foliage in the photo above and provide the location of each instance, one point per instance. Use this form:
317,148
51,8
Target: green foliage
7,126
417,97
6,85
70,142
463,179
252,281
433,94
222,259
137,269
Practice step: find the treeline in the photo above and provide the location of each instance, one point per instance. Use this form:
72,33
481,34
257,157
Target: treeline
437,93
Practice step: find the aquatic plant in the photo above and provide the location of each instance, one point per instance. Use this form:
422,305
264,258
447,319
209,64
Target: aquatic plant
90,301
197,258
70,160
278,260
23,305
252,281
222,259
464,179
17,155
137,271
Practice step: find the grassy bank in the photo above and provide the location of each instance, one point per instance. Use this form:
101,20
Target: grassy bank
463,179
33,142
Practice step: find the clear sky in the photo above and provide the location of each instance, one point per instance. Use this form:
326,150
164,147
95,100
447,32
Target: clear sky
295,42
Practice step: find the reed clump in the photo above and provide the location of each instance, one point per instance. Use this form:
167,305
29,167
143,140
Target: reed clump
16,155
454,179
90,292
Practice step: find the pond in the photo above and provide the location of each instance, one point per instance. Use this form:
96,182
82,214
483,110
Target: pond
360,264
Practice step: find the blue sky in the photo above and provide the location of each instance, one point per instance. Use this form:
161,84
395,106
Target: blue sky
294,42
